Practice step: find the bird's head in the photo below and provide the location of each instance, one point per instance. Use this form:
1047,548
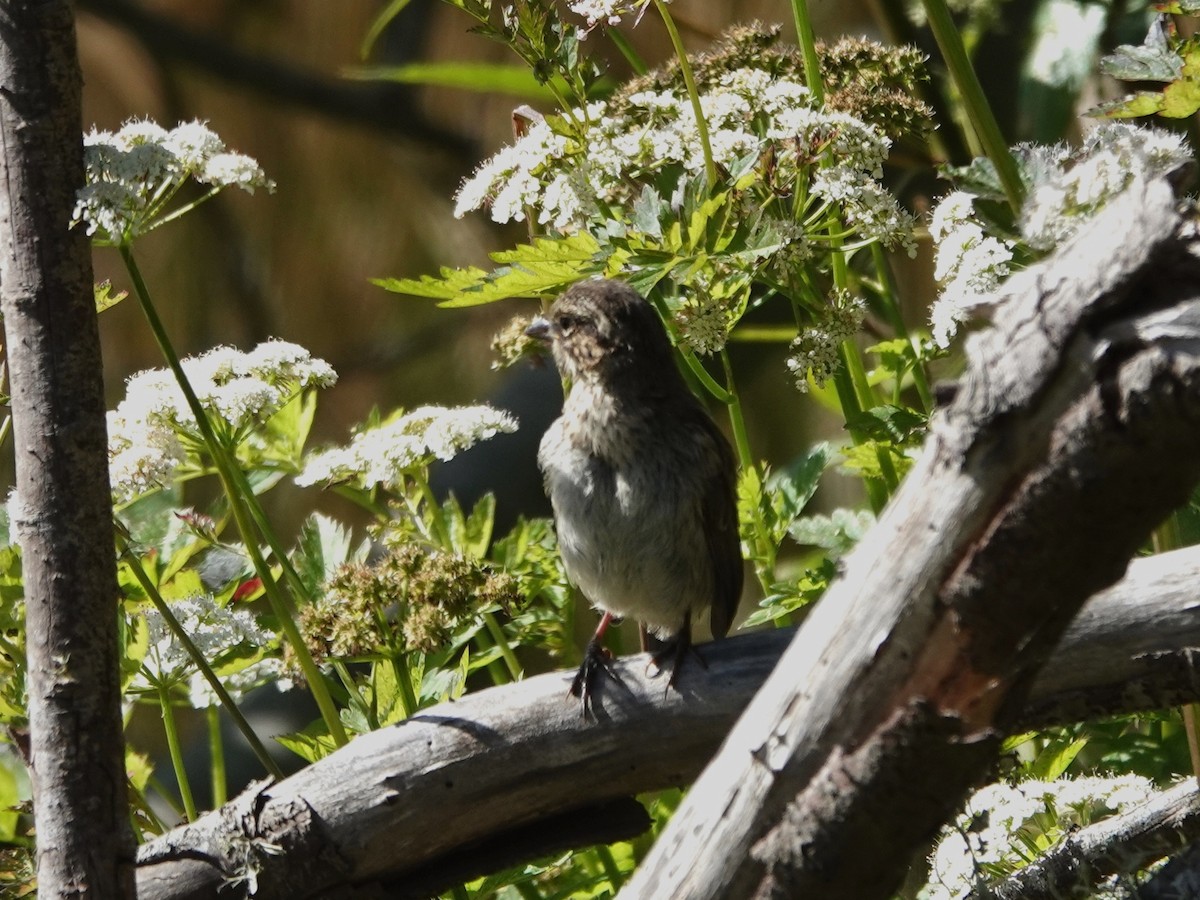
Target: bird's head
605,330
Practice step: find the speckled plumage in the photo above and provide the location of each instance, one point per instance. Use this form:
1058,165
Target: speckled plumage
640,478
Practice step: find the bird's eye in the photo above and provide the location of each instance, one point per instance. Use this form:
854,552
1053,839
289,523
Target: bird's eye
566,323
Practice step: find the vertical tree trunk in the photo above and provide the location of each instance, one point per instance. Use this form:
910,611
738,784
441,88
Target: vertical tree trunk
64,517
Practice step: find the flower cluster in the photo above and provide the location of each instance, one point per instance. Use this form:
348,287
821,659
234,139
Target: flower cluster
814,352
563,176
413,598
1001,822
149,430
381,456
1064,187
970,263
606,12
134,173
220,633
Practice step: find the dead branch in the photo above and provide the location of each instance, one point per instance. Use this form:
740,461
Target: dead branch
1070,439
1139,633
1119,844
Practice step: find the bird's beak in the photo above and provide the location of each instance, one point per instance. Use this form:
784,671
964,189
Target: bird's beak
539,329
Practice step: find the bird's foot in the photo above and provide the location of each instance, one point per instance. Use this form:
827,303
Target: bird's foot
597,662
671,653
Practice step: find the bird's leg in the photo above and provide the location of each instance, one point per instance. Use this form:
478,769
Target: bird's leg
675,649
596,659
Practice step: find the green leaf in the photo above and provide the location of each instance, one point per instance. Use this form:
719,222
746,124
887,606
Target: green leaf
311,744
836,532
1056,758
1144,63
105,298
485,78
381,22
794,485
324,544
888,423
540,269
1143,103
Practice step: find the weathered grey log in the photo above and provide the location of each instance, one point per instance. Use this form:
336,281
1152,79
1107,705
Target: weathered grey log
1072,436
1141,632
1119,844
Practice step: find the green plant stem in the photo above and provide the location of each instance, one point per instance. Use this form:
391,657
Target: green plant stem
193,652
979,112
216,754
501,640
806,38
631,56
737,421
140,803
408,696
176,751
891,309
168,797
496,668
611,869
689,81
719,393
229,473
765,548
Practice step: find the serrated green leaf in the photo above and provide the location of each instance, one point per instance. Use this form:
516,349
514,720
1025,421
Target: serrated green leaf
978,177
324,544
311,744
1181,98
539,269
1143,103
1142,63
104,296
836,532
794,485
1056,758
887,422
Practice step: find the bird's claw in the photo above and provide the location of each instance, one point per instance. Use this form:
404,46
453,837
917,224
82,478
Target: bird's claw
597,660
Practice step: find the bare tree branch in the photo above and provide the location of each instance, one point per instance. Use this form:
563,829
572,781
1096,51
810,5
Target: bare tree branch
1118,844
1069,441
649,738
63,520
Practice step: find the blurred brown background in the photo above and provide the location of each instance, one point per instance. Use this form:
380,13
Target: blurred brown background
366,173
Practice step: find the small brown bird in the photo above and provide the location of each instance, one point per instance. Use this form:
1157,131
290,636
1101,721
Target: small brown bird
640,478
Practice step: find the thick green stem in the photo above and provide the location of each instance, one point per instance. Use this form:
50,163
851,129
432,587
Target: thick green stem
236,488
689,81
216,755
979,112
193,652
741,438
806,38
506,652
176,751
403,676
